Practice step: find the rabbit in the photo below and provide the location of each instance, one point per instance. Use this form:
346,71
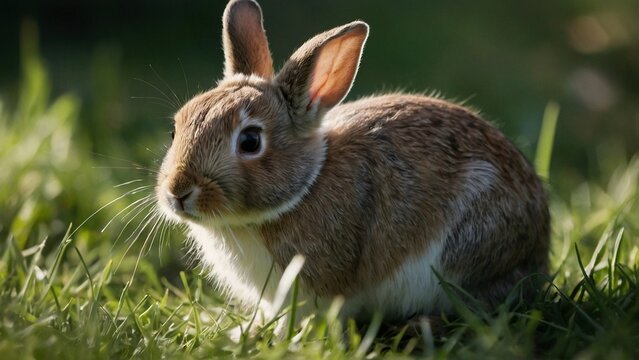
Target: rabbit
383,197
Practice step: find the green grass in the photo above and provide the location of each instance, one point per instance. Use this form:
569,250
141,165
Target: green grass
82,291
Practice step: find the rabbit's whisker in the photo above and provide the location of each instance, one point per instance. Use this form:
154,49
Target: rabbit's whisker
143,199
168,100
146,221
102,208
177,99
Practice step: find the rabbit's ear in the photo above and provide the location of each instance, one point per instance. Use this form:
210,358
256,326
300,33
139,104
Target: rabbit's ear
245,45
320,73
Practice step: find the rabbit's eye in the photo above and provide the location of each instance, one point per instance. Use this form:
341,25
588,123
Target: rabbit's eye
173,135
249,139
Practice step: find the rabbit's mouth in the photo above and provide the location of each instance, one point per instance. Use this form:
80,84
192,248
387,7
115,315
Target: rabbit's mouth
180,206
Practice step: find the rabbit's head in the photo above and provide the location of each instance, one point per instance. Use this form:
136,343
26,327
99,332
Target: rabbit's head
249,149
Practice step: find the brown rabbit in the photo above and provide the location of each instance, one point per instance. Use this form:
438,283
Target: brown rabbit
376,194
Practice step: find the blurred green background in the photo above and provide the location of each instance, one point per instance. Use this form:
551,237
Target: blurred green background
506,58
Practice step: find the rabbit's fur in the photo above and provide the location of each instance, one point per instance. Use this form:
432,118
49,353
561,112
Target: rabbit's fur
376,194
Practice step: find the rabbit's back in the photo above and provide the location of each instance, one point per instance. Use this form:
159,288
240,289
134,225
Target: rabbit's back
404,177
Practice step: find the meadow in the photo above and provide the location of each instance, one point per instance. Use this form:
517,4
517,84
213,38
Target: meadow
87,272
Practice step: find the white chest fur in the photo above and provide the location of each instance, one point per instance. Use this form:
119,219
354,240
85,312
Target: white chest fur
238,263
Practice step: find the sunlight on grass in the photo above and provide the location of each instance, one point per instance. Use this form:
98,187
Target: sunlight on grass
67,292
546,138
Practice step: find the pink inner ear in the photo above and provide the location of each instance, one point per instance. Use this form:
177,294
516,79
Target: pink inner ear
335,69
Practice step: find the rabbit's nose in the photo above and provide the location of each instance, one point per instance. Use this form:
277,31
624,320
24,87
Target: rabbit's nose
178,201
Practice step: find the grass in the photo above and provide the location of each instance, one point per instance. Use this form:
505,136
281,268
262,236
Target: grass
83,291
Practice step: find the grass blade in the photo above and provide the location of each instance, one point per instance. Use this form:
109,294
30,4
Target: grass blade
546,139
